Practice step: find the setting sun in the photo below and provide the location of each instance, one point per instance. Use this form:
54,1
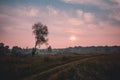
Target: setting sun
72,38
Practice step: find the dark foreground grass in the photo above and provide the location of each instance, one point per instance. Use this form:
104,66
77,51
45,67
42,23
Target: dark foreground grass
61,67
16,68
103,67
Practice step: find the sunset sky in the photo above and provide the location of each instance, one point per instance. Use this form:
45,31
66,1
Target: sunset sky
70,22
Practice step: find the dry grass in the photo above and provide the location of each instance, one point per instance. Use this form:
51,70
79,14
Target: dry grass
61,67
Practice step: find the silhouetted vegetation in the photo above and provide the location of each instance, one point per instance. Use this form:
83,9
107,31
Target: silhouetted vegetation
40,31
18,51
49,49
4,50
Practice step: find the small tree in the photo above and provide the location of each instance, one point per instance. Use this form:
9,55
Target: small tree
4,50
16,51
40,31
49,49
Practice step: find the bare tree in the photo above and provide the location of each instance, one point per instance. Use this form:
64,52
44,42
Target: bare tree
40,31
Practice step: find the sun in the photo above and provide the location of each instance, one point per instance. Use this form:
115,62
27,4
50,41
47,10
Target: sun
72,38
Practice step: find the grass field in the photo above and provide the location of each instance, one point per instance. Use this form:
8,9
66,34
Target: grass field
61,67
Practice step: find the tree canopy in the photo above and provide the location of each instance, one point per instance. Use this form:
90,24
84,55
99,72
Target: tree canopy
40,31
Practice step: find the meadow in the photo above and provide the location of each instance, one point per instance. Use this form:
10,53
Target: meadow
61,67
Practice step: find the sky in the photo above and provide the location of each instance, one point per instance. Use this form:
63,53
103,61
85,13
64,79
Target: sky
70,22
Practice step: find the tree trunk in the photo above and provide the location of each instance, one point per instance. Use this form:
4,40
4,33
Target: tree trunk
34,49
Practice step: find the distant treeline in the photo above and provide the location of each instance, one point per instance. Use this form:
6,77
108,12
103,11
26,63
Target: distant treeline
17,51
92,49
